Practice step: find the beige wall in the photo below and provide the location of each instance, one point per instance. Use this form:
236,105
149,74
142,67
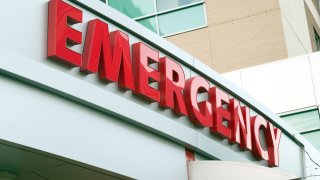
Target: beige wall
221,11
249,41
239,34
195,42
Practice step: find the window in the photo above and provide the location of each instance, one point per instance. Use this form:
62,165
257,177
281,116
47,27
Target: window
307,123
304,121
163,5
313,137
133,8
317,39
164,17
181,20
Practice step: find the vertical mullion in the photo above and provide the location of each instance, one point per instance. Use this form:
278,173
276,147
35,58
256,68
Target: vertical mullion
205,14
157,23
156,16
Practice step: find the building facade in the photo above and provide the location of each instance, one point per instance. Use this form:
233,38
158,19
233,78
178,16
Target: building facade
237,35
230,35
88,93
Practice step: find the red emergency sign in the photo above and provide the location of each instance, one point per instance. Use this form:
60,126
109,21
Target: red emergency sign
108,54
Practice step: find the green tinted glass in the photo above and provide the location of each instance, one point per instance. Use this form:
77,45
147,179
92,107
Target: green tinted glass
304,121
163,5
313,137
133,8
150,23
182,20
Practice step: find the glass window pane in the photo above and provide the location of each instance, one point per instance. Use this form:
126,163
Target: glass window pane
182,20
150,23
313,137
304,121
163,5
133,8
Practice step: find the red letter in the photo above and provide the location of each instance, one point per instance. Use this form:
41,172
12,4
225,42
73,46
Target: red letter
219,98
121,61
172,81
59,33
112,59
142,56
240,125
258,122
200,113
273,140
97,48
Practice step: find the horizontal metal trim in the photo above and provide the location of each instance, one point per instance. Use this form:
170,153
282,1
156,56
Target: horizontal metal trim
168,11
298,111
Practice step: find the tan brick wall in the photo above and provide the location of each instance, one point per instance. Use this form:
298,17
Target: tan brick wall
247,42
220,11
196,43
239,34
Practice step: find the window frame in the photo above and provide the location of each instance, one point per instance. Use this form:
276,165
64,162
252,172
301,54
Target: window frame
168,10
306,131
299,111
157,14
190,29
309,132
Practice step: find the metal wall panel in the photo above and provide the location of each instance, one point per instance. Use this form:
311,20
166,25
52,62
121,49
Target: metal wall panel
281,86
55,125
